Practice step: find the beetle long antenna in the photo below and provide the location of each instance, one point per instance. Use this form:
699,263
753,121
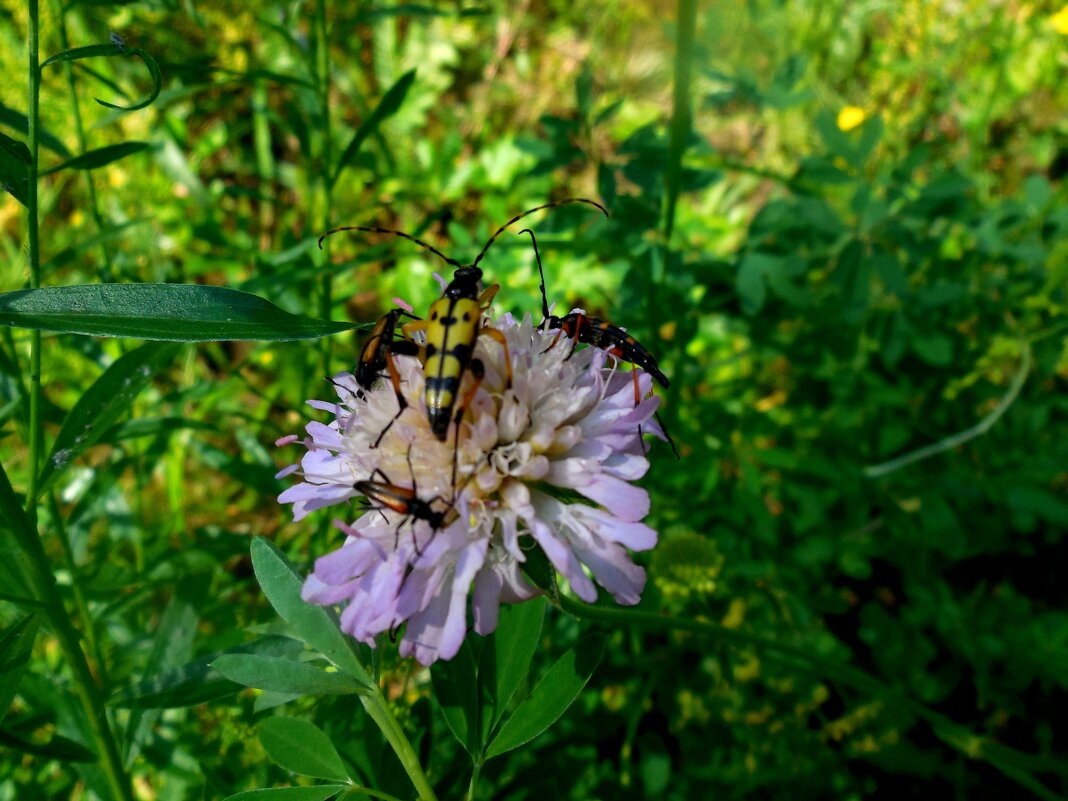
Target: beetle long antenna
377,230
519,217
541,274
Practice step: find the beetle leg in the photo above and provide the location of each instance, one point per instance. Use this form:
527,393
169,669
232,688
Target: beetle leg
404,347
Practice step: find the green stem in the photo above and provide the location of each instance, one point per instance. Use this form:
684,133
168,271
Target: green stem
475,771
83,142
378,709
679,132
1014,764
85,686
32,114
326,283
76,590
44,581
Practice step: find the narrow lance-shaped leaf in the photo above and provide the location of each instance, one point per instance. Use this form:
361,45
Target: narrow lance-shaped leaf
14,167
102,405
110,51
18,121
196,682
14,561
284,676
455,690
282,584
172,646
320,792
506,656
388,106
100,157
301,747
15,647
58,748
551,698
67,255
172,312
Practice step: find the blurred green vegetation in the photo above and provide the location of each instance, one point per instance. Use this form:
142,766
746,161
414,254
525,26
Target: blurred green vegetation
869,255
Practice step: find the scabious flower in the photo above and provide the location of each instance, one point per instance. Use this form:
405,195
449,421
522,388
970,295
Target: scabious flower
547,462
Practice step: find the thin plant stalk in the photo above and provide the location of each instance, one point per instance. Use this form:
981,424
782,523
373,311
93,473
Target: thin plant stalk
326,201
681,113
83,141
44,581
380,713
33,48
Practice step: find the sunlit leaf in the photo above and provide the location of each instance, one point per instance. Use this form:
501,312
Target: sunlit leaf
388,106
173,312
281,584
284,675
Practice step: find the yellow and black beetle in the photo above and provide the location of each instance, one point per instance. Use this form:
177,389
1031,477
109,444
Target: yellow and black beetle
452,327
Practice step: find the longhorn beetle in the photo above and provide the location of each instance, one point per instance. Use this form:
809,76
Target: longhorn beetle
601,334
404,500
453,325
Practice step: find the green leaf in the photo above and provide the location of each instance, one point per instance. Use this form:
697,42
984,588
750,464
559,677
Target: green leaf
302,748
387,107
505,659
108,51
101,406
196,682
59,748
14,565
551,698
19,122
751,279
174,312
284,675
172,646
16,149
152,427
14,168
15,647
281,584
99,157
455,690
67,255
318,793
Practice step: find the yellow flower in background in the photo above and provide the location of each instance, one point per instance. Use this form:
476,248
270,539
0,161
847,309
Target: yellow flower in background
1059,21
850,117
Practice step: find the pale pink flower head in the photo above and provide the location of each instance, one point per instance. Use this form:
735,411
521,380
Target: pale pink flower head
548,462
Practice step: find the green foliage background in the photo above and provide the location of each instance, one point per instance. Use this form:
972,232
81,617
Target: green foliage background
826,301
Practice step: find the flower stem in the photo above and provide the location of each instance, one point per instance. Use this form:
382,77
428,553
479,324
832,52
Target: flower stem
679,130
475,771
32,113
326,178
42,577
378,709
59,14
